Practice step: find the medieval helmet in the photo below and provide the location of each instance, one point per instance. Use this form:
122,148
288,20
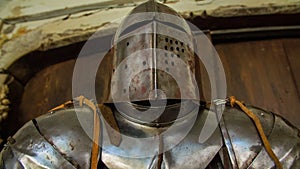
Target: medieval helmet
153,56
154,61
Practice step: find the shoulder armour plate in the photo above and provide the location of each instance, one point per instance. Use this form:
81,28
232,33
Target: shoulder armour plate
53,140
247,145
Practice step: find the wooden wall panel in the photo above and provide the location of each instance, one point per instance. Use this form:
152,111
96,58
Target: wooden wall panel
259,73
292,49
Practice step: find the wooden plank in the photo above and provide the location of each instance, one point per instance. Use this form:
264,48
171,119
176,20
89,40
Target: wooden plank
37,10
47,89
52,86
16,11
258,73
292,50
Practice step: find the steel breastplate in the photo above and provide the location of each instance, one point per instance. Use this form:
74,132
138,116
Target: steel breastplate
189,153
57,140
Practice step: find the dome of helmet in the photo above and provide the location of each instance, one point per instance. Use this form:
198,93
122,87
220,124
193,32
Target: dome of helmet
149,11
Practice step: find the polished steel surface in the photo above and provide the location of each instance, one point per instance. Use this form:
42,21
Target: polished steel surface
153,26
247,145
170,114
239,127
31,150
285,143
56,140
188,153
64,131
220,107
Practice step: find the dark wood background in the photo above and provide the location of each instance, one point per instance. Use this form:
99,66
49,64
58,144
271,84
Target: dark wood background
263,73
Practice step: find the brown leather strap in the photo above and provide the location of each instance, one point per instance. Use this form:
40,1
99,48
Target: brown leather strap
259,127
96,132
112,130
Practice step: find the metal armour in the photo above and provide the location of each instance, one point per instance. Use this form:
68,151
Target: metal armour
145,41
57,141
